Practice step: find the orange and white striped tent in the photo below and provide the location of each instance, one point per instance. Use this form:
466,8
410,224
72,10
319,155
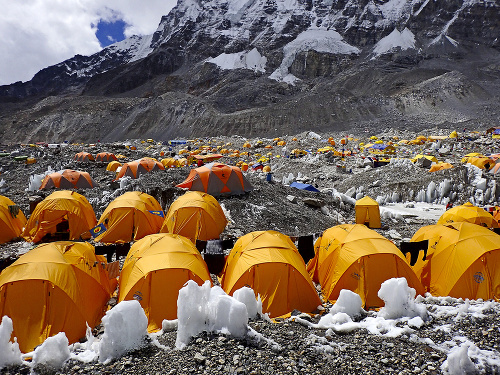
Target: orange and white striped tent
105,156
216,179
83,156
68,179
135,168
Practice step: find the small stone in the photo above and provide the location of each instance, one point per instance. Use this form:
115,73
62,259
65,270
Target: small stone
291,198
75,368
198,358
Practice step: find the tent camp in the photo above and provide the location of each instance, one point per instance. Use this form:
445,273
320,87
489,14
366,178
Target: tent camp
61,213
216,179
354,257
195,215
135,168
301,186
130,217
83,156
68,179
155,269
468,213
269,263
463,261
56,287
105,157
367,212
12,220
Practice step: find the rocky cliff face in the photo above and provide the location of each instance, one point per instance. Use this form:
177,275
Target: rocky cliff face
273,67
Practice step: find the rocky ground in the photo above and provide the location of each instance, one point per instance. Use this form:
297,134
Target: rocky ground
269,206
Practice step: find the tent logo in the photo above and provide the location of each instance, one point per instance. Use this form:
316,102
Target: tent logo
478,277
97,230
137,296
157,213
355,275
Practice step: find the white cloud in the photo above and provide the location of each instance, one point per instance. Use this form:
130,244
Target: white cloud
39,33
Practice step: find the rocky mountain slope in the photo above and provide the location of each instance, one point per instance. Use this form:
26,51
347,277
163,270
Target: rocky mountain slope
273,67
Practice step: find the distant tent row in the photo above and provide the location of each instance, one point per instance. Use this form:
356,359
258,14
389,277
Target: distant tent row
100,157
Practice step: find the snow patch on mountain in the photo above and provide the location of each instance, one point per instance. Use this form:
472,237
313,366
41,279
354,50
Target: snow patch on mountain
252,60
237,8
404,40
319,40
137,46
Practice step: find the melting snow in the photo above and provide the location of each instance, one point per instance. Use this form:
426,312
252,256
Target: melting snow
326,41
404,40
252,60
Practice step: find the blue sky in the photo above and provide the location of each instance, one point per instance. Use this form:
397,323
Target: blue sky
36,34
110,32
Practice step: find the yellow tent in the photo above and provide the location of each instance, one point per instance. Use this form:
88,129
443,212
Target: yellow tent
428,157
481,162
59,211
453,134
155,269
113,166
56,287
440,167
353,257
266,169
367,212
269,263
468,213
168,162
130,217
12,220
195,215
463,261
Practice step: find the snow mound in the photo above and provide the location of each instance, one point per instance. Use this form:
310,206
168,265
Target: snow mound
458,361
53,352
399,300
37,179
252,60
247,296
319,40
349,303
125,328
404,40
9,351
203,308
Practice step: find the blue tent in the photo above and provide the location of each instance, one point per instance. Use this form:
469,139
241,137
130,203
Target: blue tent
302,186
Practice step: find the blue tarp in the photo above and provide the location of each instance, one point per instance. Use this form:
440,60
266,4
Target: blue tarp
302,186
176,142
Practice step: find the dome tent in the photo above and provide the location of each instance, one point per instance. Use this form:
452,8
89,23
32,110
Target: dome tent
130,217
463,261
195,215
58,208
12,220
68,179
155,269
354,257
216,179
55,287
270,264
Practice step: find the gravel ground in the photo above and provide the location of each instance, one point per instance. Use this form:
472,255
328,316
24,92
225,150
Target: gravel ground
301,349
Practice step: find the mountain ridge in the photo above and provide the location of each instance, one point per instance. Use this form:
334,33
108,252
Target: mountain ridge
217,60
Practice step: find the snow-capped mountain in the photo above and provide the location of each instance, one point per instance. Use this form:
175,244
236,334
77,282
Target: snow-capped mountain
202,48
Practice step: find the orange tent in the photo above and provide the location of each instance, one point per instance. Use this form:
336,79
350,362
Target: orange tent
354,257
68,179
83,156
270,264
12,220
156,268
440,167
56,287
135,168
105,156
216,179
51,214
